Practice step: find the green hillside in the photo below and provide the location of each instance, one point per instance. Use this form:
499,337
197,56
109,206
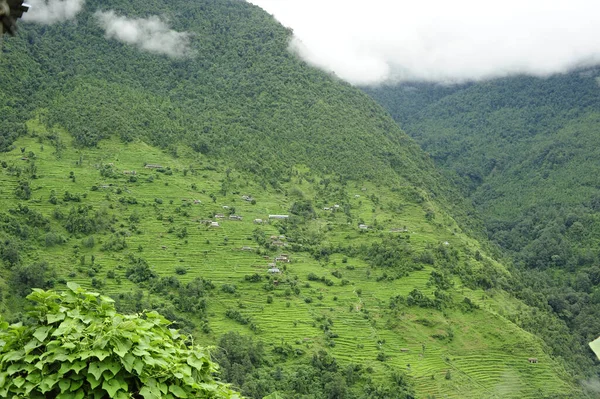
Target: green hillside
121,171
525,150
379,299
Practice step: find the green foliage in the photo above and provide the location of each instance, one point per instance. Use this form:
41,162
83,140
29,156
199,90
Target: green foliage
26,278
244,363
76,345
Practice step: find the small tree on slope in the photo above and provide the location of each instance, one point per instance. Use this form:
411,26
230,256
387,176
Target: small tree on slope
77,346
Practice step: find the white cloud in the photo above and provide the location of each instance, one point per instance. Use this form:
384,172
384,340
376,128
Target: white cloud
369,42
149,34
52,11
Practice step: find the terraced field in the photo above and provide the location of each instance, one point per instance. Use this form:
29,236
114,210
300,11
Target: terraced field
161,216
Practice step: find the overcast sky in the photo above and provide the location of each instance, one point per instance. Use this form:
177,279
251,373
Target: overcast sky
373,41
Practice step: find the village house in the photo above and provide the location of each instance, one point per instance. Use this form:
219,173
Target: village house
363,227
247,198
153,166
282,259
220,216
214,224
129,172
258,221
532,360
274,270
247,249
197,201
235,217
278,216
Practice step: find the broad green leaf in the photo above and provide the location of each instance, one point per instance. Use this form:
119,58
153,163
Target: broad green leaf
41,333
122,346
111,386
14,368
64,384
75,385
73,286
19,381
127,362
96,369
54,317
113,367
48,382
92,380
196,363
66,395
78,366
138,366
178,391
150,393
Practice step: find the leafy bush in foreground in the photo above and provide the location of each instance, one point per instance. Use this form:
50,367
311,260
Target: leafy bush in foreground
77,346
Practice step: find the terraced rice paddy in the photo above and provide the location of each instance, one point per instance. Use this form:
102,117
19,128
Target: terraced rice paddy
485,353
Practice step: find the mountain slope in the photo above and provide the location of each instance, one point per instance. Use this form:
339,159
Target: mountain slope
525,151
385,293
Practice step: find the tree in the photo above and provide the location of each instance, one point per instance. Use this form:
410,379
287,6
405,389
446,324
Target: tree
76,345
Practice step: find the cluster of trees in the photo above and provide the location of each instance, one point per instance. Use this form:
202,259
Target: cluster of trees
246,364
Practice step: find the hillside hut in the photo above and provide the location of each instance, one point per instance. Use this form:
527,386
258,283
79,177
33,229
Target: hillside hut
258,221
274,270
153,166
214,224
532,360
278,216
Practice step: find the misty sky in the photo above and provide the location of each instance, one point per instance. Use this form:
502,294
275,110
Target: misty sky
374,41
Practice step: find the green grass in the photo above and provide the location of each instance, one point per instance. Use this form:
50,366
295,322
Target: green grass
487,355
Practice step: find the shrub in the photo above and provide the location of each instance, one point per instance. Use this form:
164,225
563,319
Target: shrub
228,288
133,356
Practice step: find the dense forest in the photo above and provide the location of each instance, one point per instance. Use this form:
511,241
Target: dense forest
153,180
524,150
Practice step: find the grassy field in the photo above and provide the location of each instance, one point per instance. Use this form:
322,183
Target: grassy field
482,352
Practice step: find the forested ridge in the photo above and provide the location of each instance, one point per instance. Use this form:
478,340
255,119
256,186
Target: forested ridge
153,180
525,150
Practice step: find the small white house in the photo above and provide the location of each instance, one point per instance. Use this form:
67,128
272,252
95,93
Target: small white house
278,216
214,224
274,270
